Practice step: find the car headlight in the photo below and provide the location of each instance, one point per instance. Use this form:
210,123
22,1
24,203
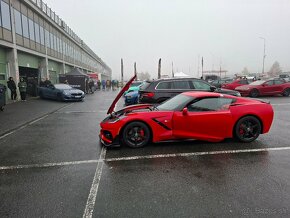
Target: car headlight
66,92
238,94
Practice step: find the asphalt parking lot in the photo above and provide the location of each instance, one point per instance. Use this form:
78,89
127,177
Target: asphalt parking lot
53,166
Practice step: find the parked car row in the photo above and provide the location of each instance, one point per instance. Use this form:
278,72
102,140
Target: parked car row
275,86
157,91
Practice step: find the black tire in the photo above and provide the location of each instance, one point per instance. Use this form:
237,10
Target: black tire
247,129
58,97
41,95
1,108
286,92
254,93
136,135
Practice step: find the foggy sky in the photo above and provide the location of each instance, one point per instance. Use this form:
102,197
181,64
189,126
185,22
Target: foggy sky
224,32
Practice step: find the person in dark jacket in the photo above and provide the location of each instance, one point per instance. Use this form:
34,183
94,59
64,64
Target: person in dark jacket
47,82
91,86
12,86
22,85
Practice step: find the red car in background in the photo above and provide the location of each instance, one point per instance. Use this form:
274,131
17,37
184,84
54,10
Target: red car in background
276,86
235,84
205,116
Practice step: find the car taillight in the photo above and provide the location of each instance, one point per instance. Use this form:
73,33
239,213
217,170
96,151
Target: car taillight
148,94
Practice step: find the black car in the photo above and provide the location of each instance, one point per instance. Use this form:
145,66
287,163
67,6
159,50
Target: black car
157,91
61,92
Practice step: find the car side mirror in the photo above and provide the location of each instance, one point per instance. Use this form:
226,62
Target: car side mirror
212,88
185,111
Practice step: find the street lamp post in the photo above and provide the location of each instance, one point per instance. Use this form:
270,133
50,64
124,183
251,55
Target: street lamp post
264,55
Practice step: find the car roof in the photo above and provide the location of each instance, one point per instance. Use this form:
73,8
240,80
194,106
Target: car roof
206,94
173,79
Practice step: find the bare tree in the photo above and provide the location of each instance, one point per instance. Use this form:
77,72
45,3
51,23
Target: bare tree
275,70
245,71
143,76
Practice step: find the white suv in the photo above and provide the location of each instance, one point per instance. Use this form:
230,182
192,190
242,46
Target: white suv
285,77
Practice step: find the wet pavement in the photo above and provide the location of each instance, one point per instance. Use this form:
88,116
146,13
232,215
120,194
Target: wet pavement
51,165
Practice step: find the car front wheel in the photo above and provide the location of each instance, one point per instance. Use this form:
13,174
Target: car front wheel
254,93
286,92
136,135
247,129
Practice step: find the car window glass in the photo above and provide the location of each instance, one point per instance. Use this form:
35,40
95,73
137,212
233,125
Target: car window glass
181,85
243,82
145,85
175,102
270,83
135,84
163,85
61,86
201,85
278,81
210,104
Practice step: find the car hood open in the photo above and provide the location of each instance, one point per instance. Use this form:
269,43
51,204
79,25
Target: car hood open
125,88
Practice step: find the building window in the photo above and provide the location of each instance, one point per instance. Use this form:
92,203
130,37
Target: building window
57,44
54,42
60,46
51,41
37,37
5,13
31,30
47,38
44,7
25,26
18,26
41,30
39,3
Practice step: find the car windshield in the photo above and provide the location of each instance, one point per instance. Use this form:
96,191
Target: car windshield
145,85
174,103
258,82
135,84
62,86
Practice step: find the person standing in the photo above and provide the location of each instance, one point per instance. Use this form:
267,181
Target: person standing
22,89
104,84
12,86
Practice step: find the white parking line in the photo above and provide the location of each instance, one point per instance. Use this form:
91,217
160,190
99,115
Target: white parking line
95,185
71,112
281,104
7,134
103,153
47,165
41,118
195,154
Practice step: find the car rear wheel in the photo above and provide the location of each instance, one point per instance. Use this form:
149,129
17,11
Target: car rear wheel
286,92
254,93
41,95
58,97
136,135
247,129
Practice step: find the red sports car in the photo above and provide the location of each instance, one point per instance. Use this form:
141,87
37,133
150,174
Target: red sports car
191,115
276,86
235,84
